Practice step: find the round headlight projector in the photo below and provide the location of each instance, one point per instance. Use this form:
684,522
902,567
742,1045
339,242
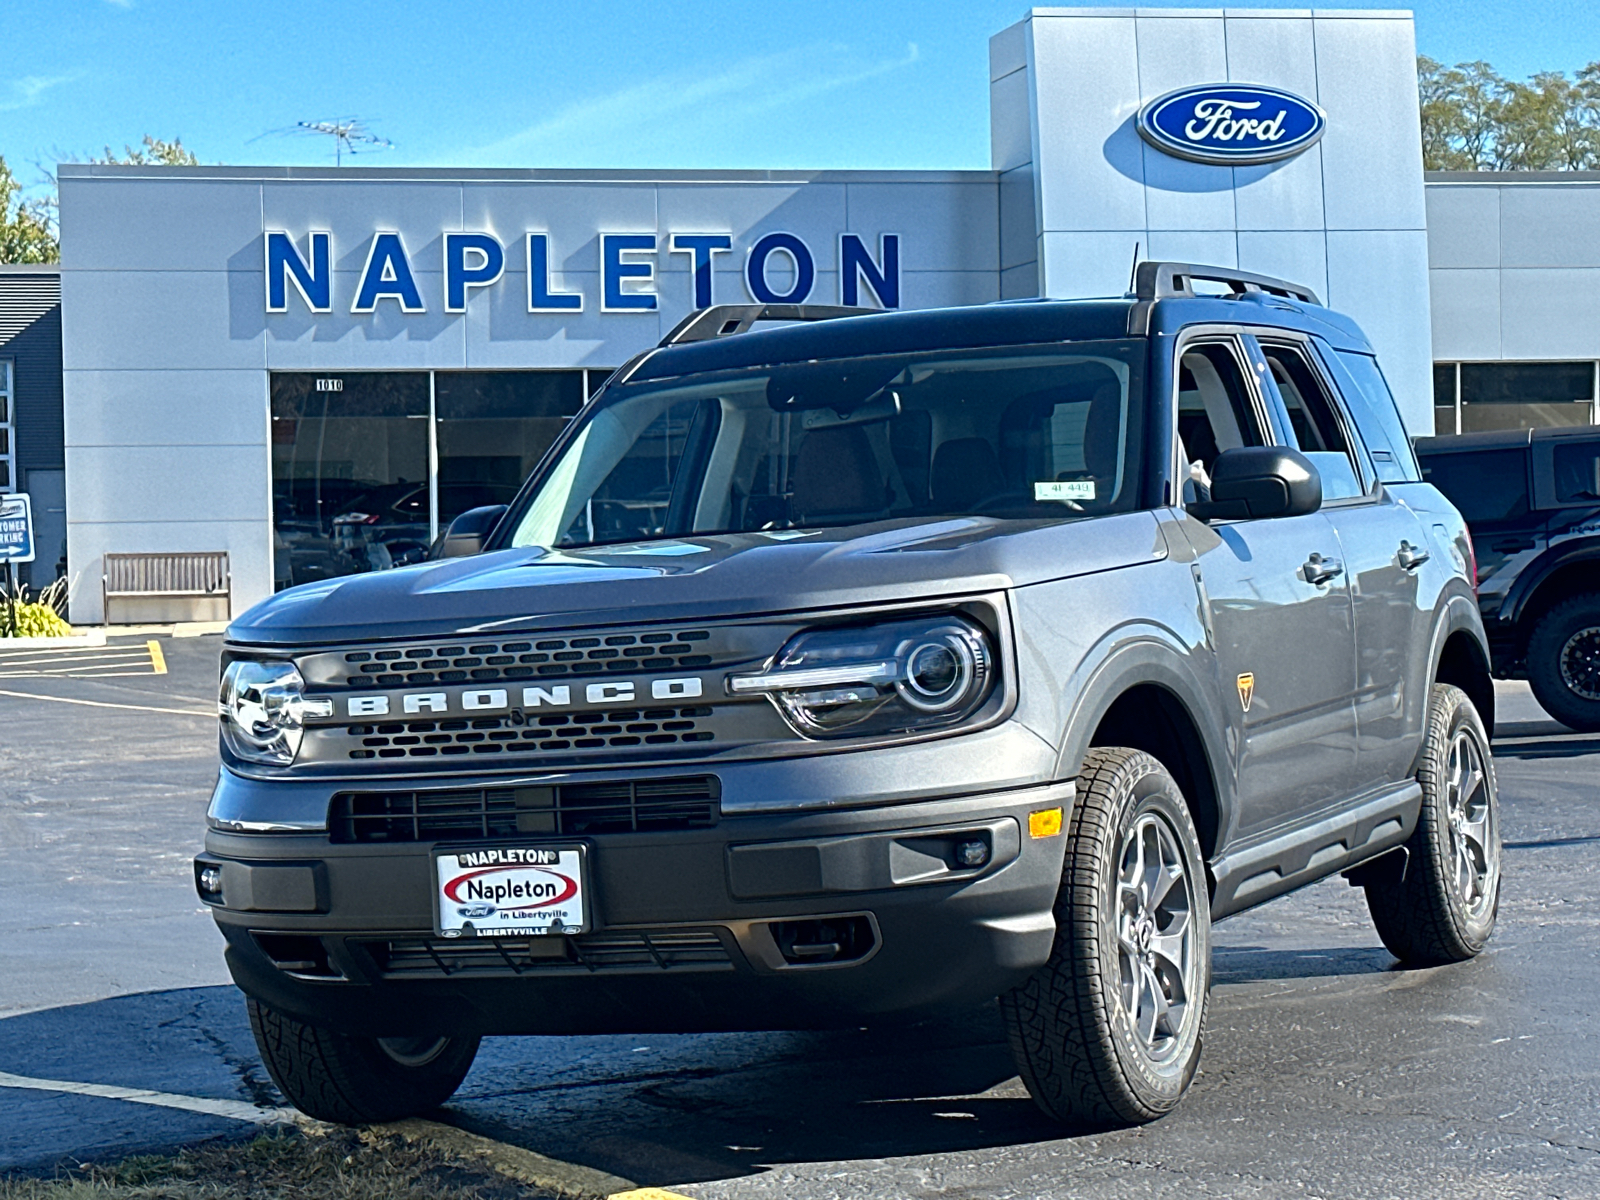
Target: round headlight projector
899,677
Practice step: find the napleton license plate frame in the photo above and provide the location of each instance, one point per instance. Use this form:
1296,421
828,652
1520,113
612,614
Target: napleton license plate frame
566,861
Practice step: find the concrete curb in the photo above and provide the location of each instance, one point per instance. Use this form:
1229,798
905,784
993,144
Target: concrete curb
525,1166
76,641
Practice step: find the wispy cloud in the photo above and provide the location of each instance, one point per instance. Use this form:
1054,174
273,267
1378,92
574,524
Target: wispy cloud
30,90
743,88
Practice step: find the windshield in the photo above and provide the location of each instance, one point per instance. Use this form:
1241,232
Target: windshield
1036,432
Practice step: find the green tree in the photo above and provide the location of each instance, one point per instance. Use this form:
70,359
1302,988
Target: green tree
27,228
1474,119
156,153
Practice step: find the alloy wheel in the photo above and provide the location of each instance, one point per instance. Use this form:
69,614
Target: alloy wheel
1158,971
1474,835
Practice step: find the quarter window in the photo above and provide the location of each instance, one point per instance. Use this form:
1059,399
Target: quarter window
1378,418
1315,422
1577,472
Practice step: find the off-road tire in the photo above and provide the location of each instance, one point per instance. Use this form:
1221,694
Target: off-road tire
1567,631
355,1080
1418,903
1081,1055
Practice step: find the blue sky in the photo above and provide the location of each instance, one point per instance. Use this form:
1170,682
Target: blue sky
601,83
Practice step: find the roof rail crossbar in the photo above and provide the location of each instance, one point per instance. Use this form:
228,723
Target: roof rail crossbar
724,320
1164,280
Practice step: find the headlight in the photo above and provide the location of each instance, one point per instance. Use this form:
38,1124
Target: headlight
898,678
264,708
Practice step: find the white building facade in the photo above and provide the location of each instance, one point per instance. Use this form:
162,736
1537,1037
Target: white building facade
314,370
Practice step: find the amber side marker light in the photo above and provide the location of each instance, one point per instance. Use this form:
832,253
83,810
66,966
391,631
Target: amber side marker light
1044,823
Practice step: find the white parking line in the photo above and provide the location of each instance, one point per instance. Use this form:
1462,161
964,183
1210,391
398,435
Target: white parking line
182,712
233,1110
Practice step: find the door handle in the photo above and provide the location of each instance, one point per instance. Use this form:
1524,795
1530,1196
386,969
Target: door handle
1411,557
1320,570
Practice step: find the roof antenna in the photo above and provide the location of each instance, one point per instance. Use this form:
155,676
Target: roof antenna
1133,271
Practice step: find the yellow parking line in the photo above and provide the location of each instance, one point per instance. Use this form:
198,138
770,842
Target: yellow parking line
158,660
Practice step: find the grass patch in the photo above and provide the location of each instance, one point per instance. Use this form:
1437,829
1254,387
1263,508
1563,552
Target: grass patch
302,1164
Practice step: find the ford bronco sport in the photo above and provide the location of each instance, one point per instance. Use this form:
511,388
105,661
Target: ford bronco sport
852,670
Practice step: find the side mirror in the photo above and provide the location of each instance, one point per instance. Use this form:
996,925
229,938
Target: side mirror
468,532
1252,482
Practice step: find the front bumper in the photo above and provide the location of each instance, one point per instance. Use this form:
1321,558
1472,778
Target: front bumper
692,930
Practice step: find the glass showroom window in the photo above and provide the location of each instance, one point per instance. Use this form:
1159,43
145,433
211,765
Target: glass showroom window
349,473
493,427
1472,397
8,473
352,486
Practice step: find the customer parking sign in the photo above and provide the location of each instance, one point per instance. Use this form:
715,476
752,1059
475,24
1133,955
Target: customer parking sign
16,528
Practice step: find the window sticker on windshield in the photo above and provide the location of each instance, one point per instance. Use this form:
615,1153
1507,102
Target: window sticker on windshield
1067,489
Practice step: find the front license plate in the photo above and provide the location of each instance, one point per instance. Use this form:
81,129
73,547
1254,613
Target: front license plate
510,891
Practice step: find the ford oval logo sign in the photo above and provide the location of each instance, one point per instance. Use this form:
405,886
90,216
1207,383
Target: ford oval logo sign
1234,124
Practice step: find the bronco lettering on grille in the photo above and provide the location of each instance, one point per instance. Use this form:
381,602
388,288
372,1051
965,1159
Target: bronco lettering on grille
557,696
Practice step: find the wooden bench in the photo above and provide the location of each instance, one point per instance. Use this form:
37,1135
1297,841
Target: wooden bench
183,575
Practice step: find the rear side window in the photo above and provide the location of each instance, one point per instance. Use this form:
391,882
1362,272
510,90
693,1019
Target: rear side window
1577,472
1489,485
1378,418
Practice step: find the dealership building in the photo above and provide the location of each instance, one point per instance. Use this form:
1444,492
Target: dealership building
313,370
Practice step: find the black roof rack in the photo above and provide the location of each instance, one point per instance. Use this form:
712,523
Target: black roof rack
1164,280
724,320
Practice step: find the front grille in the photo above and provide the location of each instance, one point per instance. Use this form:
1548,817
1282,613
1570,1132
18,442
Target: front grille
521,734
527,658
567,809
614,950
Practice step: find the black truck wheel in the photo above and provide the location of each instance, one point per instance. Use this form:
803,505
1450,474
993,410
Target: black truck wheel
1439,902
1564,662
1108,1031
358,1080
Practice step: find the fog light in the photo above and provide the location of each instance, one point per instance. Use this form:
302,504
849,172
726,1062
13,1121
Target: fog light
972,852
210,881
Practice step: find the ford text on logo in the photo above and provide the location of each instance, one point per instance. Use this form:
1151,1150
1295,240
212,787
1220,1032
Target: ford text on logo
496,699
628,270
1235,124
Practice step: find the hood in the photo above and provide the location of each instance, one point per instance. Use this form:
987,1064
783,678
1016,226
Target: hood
696,578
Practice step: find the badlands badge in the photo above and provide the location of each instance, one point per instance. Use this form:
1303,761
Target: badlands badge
1247,690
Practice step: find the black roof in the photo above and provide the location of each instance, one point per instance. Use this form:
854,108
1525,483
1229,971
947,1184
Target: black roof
1500,439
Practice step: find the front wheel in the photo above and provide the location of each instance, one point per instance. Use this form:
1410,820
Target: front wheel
1108,1030
358,1080
1440,905
1564,663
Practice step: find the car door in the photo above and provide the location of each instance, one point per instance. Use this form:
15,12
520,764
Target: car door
1278,612
1382,544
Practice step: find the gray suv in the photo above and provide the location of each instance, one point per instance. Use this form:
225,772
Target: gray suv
855,669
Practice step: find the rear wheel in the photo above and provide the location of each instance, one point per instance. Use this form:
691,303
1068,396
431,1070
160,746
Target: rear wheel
1440,905
358,1080
1564,662
1108,1030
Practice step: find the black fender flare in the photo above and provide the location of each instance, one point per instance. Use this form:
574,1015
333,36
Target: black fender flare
1536,573
1144,653
1458,613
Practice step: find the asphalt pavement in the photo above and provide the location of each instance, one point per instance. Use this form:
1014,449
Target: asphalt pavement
1327,1071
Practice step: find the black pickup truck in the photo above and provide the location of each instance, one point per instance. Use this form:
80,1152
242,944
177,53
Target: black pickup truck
1532,501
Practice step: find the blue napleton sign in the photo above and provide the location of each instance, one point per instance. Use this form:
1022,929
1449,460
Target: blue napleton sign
16,528
1234,124
627,276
